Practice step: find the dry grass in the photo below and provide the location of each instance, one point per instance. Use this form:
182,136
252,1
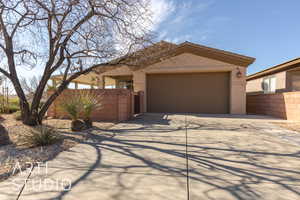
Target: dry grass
18,152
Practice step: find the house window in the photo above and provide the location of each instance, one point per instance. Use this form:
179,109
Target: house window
269,85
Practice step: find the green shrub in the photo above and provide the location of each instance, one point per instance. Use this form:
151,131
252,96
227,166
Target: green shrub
90,102
18,115
14,101
41,136
81,105
11,107
72,106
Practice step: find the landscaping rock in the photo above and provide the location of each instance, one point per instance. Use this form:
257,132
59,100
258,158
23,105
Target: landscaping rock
4,138
88,123
78,125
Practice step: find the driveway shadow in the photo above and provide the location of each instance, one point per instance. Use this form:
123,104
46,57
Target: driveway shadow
211,170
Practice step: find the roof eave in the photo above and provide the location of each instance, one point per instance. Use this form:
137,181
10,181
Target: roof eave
218,54
275,69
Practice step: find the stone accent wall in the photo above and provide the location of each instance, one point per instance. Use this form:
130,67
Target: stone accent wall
117,105
284,105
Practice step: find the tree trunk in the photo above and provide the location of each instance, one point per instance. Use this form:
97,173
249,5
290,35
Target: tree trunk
52,98
31,118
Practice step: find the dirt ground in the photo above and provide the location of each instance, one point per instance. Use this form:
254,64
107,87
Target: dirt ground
294,126
17,153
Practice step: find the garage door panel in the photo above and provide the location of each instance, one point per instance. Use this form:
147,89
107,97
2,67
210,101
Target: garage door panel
194,93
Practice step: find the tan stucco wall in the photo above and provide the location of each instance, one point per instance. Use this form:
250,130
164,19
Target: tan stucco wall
185,63
293,80
238,92
121,71
254,86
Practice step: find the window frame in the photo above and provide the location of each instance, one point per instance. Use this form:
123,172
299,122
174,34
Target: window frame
268,78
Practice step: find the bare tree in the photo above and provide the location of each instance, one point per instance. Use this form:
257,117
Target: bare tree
29,87
72,37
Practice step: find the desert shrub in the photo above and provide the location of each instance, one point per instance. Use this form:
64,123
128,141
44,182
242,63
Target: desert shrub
11,107
18,115
14,101
72,106
41,136
14,105
90,102
80,105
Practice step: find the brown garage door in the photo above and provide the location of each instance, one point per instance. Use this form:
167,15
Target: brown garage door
188,93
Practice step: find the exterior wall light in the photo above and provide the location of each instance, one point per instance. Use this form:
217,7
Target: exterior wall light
239,73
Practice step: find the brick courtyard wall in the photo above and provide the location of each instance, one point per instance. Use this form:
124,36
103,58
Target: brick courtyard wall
284,105
117,105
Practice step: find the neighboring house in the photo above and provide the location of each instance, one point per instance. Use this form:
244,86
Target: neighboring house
184,78
275,91
284,77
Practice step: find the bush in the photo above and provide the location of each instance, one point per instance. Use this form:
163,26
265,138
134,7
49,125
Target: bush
14,101
72,106
90,102
18,115
41,136
11,107
81,105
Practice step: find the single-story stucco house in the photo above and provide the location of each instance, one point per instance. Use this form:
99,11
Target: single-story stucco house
275,91
284,77
185,78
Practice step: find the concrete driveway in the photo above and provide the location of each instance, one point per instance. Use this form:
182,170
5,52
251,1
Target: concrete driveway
161,157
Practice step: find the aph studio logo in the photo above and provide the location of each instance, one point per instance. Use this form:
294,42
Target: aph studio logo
36,177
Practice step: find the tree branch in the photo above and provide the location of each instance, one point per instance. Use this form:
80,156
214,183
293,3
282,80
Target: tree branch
5,73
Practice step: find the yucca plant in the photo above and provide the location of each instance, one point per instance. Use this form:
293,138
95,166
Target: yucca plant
90,102
41,136
72,106
81,105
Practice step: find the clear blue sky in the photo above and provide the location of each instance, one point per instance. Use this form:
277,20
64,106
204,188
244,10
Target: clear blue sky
268,30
